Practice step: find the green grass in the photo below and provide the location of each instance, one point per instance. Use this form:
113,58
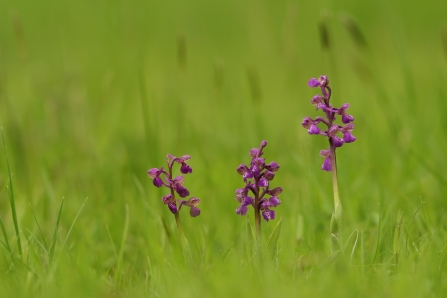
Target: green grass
94,93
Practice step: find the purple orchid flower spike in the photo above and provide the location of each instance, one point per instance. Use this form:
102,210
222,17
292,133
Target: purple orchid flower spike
257,178
332,132
175,185
322,101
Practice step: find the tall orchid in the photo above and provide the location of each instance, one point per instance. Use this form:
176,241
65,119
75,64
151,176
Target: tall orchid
332,132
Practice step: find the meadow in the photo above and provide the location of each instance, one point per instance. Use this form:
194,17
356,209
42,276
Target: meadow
93,94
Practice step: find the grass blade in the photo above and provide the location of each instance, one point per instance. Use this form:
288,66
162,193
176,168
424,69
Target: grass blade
426,220
396,241
250,238
362,253
441,261
53,244
378,239
354,245
329,261
273,241
407,228
123,242
186,249
113,244
8,247
11,199
72,224
40,230
38,242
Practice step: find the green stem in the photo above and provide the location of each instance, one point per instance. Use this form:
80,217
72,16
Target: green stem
337,217
257,211
258,219
179,226
334,177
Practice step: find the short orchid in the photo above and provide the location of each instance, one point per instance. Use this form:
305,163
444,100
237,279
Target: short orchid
257,191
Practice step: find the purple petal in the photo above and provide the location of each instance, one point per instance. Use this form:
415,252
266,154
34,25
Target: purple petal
337,141
268,214
183,159
323,107
263,182
347,128
258,161
343,108
172,207
185,169
325,153
265,204
327,164
274,201
248,175
193,202
263,143
316,99
313,83
248,201
346,118
269,175
255,170
182,191
313,130
178,180
324,81
242,169
254,152
241,210
333,130
348,138
157,182
153,173
194,211
307,122
167,199
242,191
273,166
239,198
276,191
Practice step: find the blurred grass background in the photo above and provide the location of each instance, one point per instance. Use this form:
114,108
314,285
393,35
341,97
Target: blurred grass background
94,93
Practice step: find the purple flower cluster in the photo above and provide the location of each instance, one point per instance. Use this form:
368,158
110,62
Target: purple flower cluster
322,102
257,179
175,185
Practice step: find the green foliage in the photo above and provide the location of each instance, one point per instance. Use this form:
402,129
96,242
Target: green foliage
94,93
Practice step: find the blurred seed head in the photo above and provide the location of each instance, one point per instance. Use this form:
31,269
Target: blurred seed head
324,35
353,29
19,34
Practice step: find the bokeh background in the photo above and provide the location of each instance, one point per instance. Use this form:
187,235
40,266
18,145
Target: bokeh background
94,93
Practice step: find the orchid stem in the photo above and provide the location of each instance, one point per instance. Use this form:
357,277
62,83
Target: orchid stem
337,217
177,215
179,226
258,220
